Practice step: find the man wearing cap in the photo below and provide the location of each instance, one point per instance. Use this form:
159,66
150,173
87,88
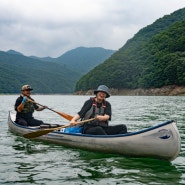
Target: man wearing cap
25,107
97,107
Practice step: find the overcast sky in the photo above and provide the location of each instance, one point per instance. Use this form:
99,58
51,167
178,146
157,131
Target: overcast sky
52,27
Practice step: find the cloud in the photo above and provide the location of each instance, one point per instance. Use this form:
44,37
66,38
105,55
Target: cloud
52,27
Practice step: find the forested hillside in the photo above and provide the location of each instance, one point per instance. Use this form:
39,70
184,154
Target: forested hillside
47,75
154,57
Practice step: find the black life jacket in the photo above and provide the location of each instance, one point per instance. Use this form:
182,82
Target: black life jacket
94,111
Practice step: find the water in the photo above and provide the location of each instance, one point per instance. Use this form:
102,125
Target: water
25,162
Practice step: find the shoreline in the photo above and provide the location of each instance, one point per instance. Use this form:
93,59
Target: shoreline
171,90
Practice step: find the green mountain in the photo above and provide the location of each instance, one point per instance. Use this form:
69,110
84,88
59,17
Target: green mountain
81,59
154,57
84,59
45,75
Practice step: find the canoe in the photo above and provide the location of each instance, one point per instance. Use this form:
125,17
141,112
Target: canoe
161,141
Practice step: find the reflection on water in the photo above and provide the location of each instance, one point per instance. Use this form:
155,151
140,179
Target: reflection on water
39,161
31,162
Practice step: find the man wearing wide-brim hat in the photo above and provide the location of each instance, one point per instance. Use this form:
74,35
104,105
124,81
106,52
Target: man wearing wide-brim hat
100,109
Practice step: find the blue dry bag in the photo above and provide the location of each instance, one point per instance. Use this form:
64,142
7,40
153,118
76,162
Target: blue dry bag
73,130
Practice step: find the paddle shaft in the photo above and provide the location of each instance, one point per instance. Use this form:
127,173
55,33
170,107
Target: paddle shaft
77,123
46,131
64,115
46,107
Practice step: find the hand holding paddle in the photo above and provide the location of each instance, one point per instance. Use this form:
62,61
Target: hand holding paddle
46,131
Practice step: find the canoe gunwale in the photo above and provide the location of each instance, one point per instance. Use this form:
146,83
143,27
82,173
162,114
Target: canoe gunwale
98,136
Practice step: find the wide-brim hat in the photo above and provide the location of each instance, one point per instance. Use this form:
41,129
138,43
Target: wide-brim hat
103,88
26,87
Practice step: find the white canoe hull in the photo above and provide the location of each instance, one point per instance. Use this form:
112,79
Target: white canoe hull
161,141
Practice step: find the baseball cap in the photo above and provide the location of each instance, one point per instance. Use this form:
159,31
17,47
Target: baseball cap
26,87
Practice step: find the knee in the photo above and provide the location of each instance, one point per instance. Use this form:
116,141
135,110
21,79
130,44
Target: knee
100,131
96,131
22,122
124,129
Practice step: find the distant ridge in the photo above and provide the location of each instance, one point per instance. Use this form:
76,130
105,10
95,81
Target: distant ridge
47,75
13,52
84,59
81,59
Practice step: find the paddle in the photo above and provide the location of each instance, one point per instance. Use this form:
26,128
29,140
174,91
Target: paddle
64,115
46,131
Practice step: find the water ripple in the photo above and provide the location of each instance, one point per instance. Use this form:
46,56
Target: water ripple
31,162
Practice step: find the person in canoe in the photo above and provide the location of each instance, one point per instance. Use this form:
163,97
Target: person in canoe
25,106
97,107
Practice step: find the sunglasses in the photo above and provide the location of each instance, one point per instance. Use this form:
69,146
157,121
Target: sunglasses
27,90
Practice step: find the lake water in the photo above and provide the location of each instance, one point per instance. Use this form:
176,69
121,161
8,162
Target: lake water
25,161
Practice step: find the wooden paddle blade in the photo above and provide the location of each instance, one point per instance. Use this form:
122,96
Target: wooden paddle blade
38,133
66,116
42,132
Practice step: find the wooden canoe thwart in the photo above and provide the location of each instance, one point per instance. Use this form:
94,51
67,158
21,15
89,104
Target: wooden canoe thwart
161,141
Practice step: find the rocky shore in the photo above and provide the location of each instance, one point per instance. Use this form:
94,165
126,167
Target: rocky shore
171,90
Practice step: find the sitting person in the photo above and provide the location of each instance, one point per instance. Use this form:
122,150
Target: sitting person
25,107
97,107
